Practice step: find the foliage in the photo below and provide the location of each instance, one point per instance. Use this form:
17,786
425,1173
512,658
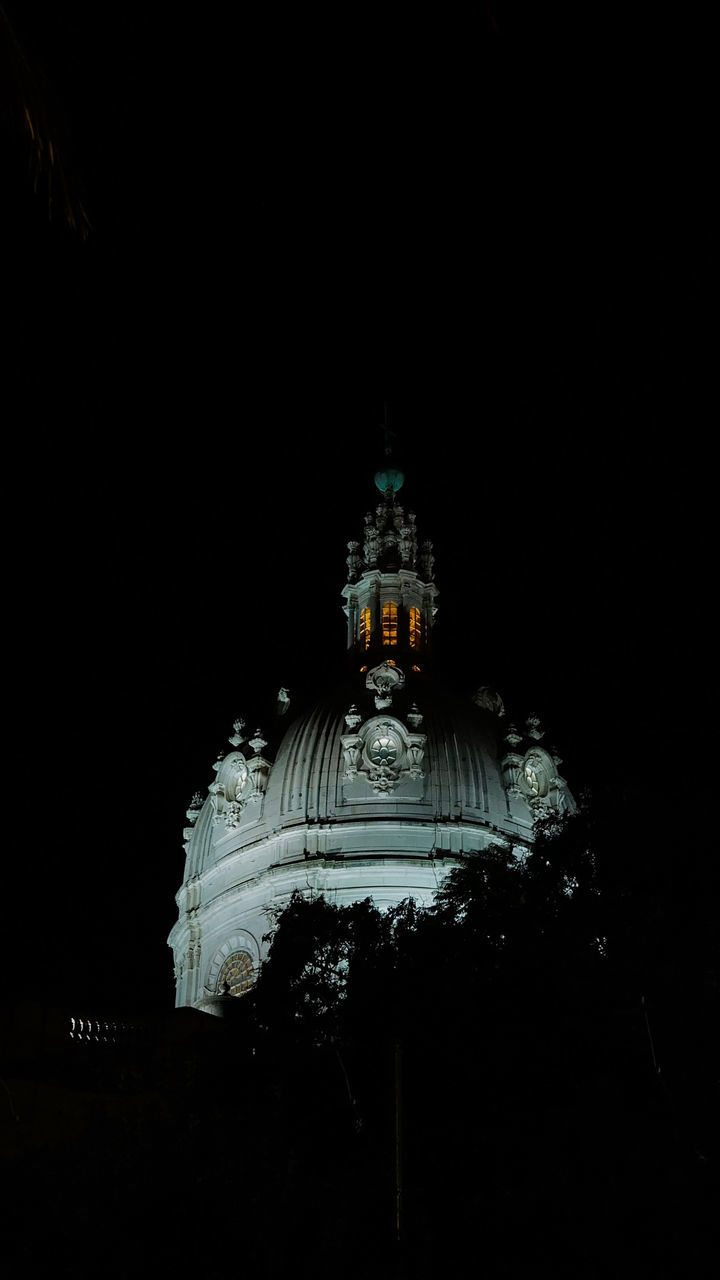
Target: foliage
539,1105
322,953
506,930
528,1006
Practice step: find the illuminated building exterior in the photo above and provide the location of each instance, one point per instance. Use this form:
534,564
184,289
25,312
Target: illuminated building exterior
373,791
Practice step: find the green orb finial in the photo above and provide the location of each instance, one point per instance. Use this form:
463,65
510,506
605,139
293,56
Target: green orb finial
389,478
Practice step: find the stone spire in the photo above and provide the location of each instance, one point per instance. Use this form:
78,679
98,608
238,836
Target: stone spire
390,593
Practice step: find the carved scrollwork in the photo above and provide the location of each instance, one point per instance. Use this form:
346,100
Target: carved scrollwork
233,814
352,749
534,776
384,680
258,774
382,783
230,787
511,769
416,753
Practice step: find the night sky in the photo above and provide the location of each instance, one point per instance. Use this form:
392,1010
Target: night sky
293,228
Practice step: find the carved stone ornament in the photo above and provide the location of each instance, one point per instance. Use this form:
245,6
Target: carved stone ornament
371,548
196,805
233,776
415,753
534,777
511,770
384,680
238,737
352,748
354,562
408,546
382,783
414,716
353,717
383,753
534,728
233,814
390,533
427,560
489,700
230,786
259,771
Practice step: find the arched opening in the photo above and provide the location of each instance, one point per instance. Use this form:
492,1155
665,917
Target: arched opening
236,975
389,623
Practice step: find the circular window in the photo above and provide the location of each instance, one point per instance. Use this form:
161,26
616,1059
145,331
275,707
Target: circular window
236,975
383,750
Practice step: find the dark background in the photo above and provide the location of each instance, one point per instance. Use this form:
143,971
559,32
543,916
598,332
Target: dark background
498,225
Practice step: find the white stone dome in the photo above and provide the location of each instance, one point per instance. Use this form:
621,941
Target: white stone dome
372,789
359,801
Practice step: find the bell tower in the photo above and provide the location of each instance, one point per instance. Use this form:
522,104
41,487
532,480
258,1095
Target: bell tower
390,593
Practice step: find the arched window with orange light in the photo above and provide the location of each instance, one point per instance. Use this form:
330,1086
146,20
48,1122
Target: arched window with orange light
389,623
364,628
415,622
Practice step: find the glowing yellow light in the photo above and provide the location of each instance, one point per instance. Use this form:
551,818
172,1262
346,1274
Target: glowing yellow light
416,668
365,628
363,669
415,628
389,622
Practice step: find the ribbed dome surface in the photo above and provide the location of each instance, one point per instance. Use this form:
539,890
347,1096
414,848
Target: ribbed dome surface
460,766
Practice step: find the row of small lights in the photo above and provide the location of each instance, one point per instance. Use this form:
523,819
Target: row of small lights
89,1029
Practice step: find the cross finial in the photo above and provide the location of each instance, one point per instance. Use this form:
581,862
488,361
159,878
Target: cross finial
389,435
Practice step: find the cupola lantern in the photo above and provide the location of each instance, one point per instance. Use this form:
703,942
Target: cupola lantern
390,595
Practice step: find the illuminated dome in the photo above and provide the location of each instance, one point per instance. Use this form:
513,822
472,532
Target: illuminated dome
372,789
